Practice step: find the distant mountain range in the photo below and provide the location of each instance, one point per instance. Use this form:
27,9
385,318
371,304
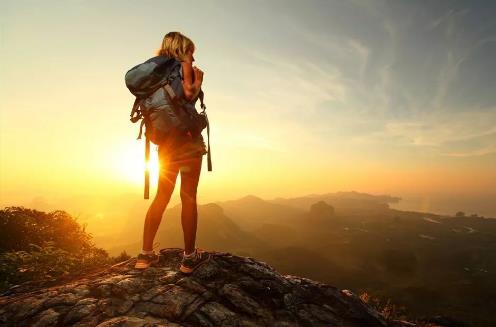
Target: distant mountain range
429,263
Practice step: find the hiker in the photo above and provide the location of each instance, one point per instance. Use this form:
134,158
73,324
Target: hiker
182,153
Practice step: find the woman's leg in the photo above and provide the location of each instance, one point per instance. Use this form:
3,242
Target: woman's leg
166,183
190,175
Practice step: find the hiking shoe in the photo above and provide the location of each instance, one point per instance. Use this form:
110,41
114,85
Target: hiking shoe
146,260
188,265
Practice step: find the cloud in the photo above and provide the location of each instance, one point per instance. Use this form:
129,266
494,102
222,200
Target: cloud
475,153
390,80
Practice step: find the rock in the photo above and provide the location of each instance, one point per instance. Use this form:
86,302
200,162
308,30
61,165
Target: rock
243,301
27,308
47,318
169,277
175,300
124,321
229,290
218,313
189,284
61,299
81,291
79,312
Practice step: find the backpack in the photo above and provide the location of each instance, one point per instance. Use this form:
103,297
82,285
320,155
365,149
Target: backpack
161,106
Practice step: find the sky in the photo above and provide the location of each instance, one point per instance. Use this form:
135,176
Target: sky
383,97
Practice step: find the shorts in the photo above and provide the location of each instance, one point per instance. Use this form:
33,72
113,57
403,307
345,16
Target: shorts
183,149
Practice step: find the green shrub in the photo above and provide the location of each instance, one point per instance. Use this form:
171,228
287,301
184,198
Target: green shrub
20,227
38,246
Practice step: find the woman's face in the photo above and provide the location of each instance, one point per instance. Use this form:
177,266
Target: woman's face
189,56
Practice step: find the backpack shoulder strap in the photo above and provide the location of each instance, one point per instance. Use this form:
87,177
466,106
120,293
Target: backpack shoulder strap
135,112
181,72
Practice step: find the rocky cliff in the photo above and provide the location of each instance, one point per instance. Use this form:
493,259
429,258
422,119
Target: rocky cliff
229,290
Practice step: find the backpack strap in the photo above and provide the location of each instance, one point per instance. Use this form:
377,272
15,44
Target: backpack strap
170,92
203,106
135,112
200,96
209,156
141,129
147,169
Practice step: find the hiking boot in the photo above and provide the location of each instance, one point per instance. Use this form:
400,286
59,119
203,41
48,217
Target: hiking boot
188,265
146,260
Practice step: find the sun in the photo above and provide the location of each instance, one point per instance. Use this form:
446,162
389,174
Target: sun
130,163
153,166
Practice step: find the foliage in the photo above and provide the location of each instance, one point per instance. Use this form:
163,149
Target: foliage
39,246
20,227
122,257
46,263
389,310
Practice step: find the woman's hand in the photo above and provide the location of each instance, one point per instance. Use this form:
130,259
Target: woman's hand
198,76
192,80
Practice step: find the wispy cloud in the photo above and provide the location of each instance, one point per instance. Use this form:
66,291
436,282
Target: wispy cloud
475,153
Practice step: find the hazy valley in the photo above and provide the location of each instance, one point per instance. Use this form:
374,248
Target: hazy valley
429,263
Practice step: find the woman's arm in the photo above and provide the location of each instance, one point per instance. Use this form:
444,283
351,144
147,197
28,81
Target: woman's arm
192,80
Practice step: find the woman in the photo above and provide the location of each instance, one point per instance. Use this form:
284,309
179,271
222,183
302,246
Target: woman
183,154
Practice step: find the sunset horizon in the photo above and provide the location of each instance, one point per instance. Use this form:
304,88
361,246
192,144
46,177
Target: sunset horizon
351,142
284,127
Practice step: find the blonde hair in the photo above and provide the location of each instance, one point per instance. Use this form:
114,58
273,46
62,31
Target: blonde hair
176,45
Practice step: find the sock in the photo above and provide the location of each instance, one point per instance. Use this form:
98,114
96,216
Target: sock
189,255
147,252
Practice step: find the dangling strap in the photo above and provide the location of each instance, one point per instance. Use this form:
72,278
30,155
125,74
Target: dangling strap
209,155
147,170
200,96
135,114
203,106
141,129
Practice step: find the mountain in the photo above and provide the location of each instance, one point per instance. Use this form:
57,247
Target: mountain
349,202
215,230
251,212
321,212
229,290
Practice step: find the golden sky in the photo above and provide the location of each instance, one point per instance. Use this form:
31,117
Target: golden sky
303,97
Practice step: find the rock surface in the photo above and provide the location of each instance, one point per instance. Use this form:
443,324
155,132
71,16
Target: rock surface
229,290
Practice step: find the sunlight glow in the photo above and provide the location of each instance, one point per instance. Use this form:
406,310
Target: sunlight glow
130,163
